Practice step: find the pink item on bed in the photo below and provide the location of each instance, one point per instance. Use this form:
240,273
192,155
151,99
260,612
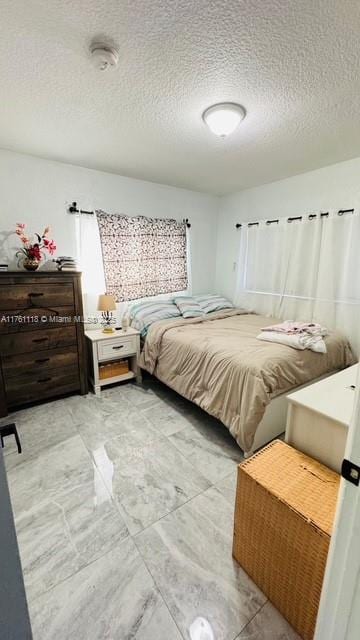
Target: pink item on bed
293,328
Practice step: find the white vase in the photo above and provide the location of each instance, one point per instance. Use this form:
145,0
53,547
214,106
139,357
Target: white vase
125,322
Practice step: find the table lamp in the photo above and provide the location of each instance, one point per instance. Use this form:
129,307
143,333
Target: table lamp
106,304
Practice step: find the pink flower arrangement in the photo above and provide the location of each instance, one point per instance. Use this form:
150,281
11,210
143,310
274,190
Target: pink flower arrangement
33,249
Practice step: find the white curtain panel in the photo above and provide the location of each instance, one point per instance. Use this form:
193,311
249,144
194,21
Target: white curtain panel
89,258
303,270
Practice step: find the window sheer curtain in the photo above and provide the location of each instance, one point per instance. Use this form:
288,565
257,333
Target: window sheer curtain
303,270
89,258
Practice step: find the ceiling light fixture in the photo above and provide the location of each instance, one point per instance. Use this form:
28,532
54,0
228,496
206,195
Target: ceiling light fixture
223,118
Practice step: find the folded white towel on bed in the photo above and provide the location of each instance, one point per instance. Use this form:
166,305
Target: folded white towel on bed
296,340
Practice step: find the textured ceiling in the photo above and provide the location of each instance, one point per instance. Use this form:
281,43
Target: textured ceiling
293,64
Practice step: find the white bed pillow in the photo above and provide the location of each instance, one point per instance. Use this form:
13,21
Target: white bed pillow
296,341
213,302
188,307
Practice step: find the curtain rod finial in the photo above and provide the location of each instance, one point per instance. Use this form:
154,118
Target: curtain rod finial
73,208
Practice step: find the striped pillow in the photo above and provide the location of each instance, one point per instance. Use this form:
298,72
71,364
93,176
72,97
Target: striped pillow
143,314
212,302
188,307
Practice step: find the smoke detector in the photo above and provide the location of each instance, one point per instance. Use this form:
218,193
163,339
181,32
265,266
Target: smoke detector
103,56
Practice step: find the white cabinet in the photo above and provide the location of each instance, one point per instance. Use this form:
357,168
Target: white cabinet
319,416
108,349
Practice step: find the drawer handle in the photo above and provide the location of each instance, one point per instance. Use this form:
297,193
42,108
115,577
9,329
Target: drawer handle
120,346
44,380
41,360
40,339
35,295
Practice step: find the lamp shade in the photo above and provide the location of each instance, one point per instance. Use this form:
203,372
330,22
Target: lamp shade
106,303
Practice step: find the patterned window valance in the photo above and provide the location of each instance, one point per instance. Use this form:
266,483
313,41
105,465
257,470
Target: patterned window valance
142,256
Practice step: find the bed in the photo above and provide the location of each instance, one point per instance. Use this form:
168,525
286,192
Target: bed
216,362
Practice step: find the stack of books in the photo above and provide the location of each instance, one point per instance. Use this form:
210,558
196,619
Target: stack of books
66,263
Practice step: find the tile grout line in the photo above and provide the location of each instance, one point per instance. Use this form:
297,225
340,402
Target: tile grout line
36,455
113,502
159,590
236,463
144,560
212,486
85,566
237,637
133,535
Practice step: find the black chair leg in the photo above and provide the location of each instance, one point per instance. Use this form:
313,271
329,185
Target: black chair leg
10,430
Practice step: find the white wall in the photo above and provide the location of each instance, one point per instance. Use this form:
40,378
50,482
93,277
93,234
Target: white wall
37,192
336,186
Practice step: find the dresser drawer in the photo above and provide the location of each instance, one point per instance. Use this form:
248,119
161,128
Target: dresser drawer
116,348
42,351
30,387
22,295
38,361
37,340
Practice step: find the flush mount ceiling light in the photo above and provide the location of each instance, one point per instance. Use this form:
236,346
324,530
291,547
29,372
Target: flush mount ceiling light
103,56
222,119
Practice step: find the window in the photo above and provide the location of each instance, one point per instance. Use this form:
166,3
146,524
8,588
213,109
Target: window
304,270
142,256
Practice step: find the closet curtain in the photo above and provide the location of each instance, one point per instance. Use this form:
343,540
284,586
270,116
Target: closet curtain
305,270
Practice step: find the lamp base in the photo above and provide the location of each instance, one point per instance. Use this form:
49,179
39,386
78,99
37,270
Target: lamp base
107,322
108,330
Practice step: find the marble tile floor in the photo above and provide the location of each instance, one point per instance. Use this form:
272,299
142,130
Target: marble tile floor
123,506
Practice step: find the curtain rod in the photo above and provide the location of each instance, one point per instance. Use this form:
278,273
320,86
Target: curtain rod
74,209
311,216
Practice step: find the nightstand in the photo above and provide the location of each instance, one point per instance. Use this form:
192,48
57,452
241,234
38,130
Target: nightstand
114,357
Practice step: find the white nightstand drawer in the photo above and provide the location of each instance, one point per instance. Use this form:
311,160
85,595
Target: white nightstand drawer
116,348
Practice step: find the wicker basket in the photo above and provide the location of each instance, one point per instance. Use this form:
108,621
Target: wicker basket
113,369
284,511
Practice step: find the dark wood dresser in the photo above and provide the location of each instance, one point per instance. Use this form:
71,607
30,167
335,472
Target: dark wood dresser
42,344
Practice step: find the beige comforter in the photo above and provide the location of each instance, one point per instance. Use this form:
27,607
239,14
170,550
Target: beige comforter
217,363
